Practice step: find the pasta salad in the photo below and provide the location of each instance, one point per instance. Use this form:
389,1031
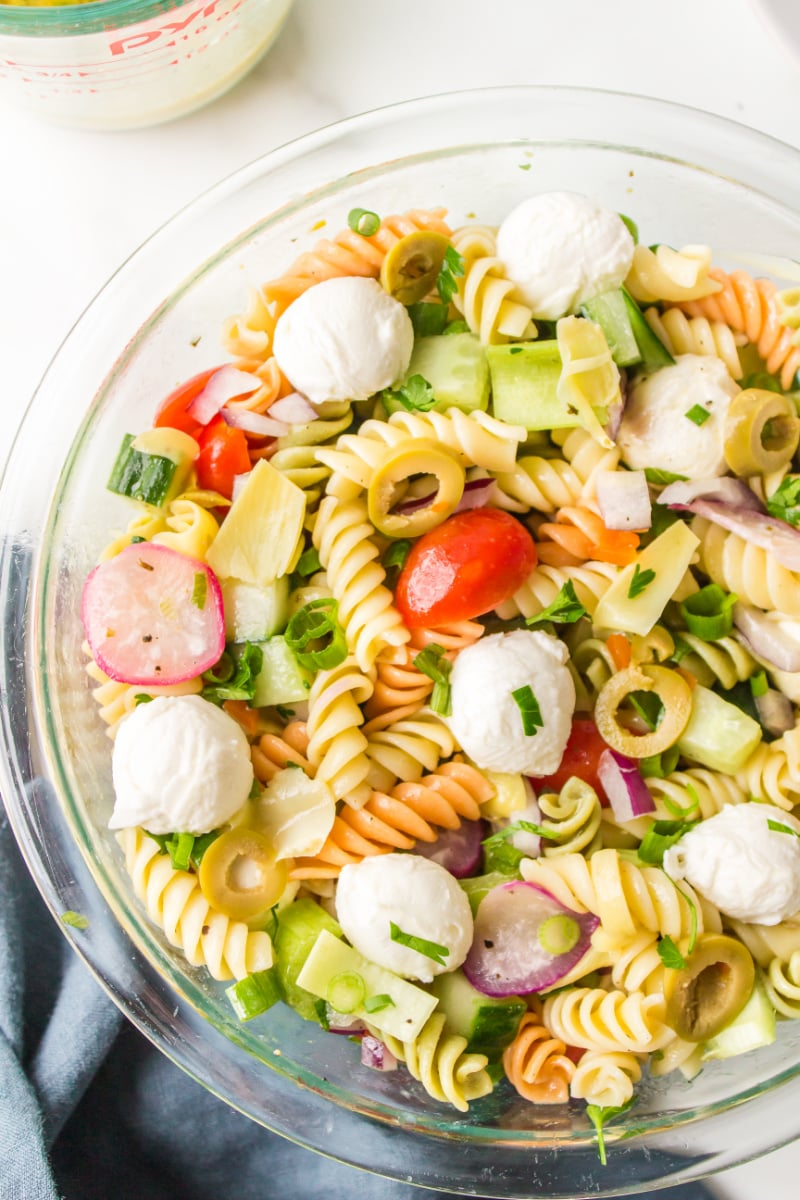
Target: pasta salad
451,653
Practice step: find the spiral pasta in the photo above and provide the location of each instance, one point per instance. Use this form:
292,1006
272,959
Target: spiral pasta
636,965
606,1077
407,748
173,901
452,638
696,335
342,535
274,751
578,534
145,524
625,897
295,453
336,745
190,528
768,776
412,812
752,573
750,306
536,1064
115,699
348,253
595,1019
782,981
487,299
438,1060
591,581
725,661
401,689
696,793
673,275
573,815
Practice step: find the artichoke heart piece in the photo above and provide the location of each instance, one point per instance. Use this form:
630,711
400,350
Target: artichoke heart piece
258,540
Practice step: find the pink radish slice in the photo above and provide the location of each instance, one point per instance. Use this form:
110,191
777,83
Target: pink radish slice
377,1055
525,940
153,616
457,850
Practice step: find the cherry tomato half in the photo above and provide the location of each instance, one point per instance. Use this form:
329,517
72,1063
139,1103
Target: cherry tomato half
581,757
172,411
223,454
465,567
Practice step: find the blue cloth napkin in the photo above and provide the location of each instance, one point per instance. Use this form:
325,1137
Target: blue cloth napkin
91,1111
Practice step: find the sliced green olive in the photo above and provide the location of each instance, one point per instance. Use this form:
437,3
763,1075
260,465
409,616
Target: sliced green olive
761,432
410,268
442,485
711,990
240,877
672,690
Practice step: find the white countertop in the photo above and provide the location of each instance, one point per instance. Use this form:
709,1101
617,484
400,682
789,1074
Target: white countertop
76,204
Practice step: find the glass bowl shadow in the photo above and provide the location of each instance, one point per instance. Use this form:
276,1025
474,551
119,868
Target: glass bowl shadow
681,175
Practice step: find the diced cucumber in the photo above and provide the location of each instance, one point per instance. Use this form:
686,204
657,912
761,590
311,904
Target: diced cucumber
281,679
331,959
299,926
642,590
610,312
254,994
653,351
525,386
253,614
153,467
754,1027
719,735
456,368
477,887
488,1023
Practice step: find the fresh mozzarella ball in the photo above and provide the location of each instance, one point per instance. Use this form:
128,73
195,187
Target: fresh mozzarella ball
561,249
343,339
180,764
486,719
736,861
420,897
655,431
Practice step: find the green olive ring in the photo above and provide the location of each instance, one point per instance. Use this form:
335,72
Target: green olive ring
240,877
710,991
761,432
422,456
411,267
672,690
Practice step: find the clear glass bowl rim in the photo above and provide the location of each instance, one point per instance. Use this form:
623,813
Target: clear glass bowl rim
72,20
779,182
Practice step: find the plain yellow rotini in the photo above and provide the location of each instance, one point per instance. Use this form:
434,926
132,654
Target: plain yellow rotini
174,902
627,898
595,1019
694,794
407,748
770,775
782,981
636,965
672,275
751,572
724,661
190,528
438,1060
486,297
336,746
606,1077
696,335
343,537
591,581
115,700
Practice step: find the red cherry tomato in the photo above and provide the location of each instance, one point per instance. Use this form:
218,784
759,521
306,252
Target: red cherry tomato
465,567
581,756
223,454
172,409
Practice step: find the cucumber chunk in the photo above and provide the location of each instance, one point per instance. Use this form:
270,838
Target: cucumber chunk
525,386
488,1023
719,735
153,467
253,614
653,351
299,926
281,679
610,312
754,1027
456,368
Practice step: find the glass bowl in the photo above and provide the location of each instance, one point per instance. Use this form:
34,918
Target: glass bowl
684,177
121,64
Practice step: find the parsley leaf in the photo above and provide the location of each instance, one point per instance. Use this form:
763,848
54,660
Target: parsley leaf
229,681
565,609
438,954
641,579
415,395
600,1115
452,268
529,709
656,475
669,954
396,553
76,920
785,502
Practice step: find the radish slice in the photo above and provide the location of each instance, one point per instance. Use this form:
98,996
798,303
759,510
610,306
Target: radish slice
627,792
153,616
225,384
457,850
377,1055
525,940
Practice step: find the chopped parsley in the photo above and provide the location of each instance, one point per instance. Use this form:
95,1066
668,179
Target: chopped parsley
415,395
452,269
659,837
75,920
657,476
438,954
530,711
697,414
564,610
432,662
308,562
669,954
396,553
378,1003
641,579
600,1115
785,502
231,680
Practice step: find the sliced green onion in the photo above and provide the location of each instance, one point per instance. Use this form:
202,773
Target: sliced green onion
564,610
76,920
432,662
308,562
200,589
649,707
709,613
669,954
396,553
758,684
458,327
313,624
631,226
692,918
558,934
363,221
678,812
657,476
658,766
347,991
136,539
659,837
179,848
431,950
530,711
697,414
641,579
777,827
378,1003
254,994
230,679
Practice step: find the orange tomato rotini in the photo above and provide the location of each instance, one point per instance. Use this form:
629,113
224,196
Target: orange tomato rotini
273,751
578,534
536,1063
452,638
400,690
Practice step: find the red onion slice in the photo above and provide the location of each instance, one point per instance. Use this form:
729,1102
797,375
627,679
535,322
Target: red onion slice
624,499
627,792
475,495
294,409
376,1055
238,483
742,515
775,712
415,504
768,637
525,941
724,489
256,423
457,850
225,384
344,1023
